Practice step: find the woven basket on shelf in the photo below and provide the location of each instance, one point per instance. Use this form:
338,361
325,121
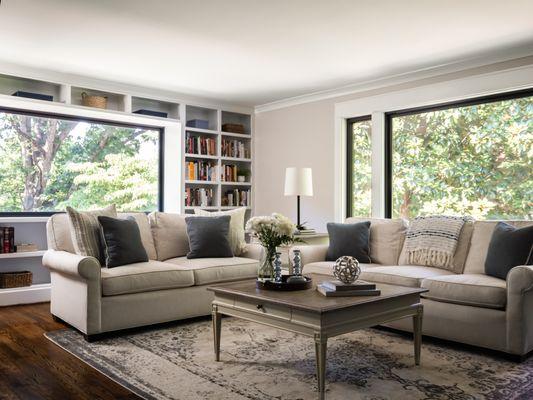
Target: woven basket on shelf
89,100
15,279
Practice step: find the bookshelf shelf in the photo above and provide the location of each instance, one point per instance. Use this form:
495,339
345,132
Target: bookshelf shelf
189,182
236,183
237,135
248,160
23,254
202,156
203,131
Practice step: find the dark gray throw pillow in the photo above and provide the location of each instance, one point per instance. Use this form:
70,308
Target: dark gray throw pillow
349,240
208,236
122,241
508,248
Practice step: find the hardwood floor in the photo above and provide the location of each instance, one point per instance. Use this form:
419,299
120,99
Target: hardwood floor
32,367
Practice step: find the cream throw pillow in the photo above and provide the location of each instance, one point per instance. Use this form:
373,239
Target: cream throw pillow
85,231
236,227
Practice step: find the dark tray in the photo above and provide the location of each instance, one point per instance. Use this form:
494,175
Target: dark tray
284,286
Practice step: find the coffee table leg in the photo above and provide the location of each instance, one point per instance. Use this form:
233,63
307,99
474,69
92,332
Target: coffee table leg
217,323
417,332
321,342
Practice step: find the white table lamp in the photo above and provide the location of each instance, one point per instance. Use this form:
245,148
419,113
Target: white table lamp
298,182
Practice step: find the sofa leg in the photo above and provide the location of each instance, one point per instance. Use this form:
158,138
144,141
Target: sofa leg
90,338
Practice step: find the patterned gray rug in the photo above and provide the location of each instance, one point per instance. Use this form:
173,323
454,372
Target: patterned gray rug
262,363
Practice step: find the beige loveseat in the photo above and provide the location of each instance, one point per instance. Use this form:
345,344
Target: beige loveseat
168,287
462,305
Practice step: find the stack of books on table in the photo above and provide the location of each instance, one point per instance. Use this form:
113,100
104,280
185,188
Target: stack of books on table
306,232
339,289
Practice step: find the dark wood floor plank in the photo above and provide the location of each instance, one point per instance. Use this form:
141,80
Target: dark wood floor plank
32,367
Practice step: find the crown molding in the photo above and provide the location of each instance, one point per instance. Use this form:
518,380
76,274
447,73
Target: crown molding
507,59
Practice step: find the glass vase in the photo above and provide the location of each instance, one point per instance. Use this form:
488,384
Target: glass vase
266,264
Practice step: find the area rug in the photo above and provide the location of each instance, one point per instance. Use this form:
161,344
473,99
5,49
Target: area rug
262,363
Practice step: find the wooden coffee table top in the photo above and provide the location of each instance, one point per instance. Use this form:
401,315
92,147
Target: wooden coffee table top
310,299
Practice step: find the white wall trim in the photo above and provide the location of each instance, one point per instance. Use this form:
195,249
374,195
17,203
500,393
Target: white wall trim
172,150
510,55
38,293
427,95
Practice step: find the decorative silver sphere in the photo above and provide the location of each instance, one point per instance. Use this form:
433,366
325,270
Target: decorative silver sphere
347,269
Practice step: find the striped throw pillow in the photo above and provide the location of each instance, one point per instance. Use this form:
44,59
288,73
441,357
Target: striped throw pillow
85,231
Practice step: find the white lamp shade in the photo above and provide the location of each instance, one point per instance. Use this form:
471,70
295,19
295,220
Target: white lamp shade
298,182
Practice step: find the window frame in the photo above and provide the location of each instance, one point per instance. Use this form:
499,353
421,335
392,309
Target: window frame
349,159
41,114
388,140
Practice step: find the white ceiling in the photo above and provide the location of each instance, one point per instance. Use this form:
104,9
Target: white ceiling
252,52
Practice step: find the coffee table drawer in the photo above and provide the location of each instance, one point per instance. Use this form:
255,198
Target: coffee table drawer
264,309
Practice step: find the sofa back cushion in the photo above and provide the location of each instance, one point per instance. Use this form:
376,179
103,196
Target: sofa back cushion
461,251
386,238
170,235
479,245
59,237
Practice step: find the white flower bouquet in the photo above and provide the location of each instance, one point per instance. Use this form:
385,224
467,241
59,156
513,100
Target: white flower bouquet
271,231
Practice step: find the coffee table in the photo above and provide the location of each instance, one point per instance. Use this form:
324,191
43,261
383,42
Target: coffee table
309,313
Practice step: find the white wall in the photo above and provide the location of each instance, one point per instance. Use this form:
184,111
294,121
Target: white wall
312,135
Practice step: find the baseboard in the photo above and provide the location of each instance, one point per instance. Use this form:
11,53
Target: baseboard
25,295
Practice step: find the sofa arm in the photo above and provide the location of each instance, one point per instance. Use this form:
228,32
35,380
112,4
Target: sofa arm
312,253
252,250
519,306
72,264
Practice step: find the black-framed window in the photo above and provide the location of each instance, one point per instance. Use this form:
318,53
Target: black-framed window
48,162
473,157
359,167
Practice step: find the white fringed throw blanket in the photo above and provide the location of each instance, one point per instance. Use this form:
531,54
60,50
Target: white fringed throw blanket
432,240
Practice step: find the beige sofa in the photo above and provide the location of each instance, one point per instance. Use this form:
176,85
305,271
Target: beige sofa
462,305
168,287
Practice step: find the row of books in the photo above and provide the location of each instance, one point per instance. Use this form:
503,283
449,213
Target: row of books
198,197
234,148
201,171
200,145
7,239
229,173
236,197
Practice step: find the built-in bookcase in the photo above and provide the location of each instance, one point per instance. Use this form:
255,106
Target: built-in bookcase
208,140
229,153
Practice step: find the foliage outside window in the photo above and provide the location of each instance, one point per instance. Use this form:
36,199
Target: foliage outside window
360,167
49,163
473,160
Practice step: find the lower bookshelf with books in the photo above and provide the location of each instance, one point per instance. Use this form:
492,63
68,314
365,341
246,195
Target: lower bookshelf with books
200,197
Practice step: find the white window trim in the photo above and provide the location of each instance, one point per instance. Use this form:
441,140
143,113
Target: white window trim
172,145
422,96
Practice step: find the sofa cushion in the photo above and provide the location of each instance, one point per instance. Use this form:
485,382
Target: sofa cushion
326,267
122,241
208,236
146,232
85,231
144,277
349,240
404,275
59,238
214,270
476,290
170,234
479,244
461,251
386,238
508,248
236,226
